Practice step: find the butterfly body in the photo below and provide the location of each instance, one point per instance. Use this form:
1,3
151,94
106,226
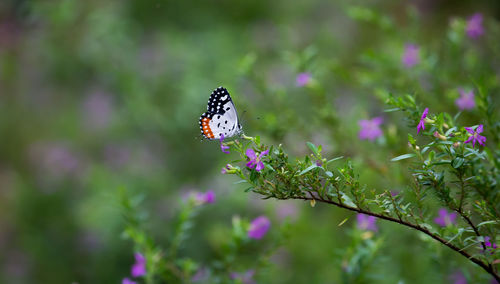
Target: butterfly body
221,118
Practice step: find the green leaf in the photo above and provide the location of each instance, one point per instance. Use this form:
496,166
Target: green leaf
411,139
334,159
402,157
329,174
457,162
312,148
308,169
487,223
392,109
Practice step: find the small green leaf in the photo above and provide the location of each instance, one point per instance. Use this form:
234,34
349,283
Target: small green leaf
402,157
487,223
329,174
334,159
312,148
391,109
343,221
411,139
457,162
308,169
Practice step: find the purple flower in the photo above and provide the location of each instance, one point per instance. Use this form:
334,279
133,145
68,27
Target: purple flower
259,227
128,281
222,146
421,124
458,278
255,159
245,278
475,135
466,100
411,55
139,267
204,197
445,218
474,27
366,222
97,110
489,244
370,129
303,79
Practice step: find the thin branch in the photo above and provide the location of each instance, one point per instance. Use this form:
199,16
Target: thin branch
486,266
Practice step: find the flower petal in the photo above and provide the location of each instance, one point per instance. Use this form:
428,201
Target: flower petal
260,166
479,129
470,130
424,114
251,154
262,154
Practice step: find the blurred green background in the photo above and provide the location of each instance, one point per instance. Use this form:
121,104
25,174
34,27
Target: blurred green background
97,96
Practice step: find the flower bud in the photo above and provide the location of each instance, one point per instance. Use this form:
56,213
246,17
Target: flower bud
439,136
456,144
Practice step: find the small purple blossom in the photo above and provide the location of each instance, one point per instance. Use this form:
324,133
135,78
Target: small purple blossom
256,159
222,146
370,128
411,56
466,100
458,277
474,27
475,135
488,243
97,110
445,218
366,222
128,281
259,227
303,79
139,267
421,123
204,197
245,278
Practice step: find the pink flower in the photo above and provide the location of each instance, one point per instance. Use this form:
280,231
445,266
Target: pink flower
445,218
458,278
474,27
139,267
366,222
466,100
256,159
421,124
204,197
259,227
128,281
411,56
475,135
245,278
303,79
370,129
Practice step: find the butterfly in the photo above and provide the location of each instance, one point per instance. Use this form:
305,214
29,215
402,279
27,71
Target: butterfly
221,118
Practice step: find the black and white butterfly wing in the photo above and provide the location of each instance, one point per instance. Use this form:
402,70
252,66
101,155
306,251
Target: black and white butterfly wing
221,117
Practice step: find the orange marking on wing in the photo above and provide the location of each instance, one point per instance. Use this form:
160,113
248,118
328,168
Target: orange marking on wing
206,128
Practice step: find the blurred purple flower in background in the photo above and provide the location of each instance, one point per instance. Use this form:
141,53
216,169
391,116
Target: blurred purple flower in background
139,267
116,155
222,146
201,275
128,281
259,227
370,129
475,135
303,79
97,110
445,218
411,56
245,278
421,123
286,209
204,197
255,159
457,277
366,222
474,27
466,100
55,159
